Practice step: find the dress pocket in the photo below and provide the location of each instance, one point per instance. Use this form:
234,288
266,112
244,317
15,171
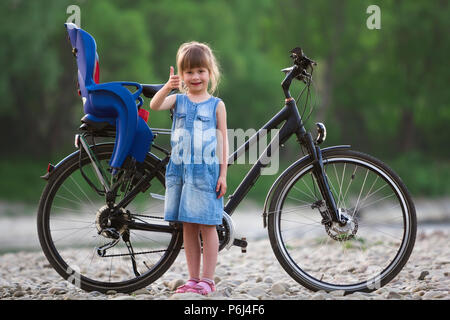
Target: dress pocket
205,177
173,174
202,123
180,120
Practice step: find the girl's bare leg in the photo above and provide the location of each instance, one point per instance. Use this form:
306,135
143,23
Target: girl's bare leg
192,249
210,250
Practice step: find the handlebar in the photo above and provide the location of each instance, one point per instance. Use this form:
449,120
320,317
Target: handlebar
298,71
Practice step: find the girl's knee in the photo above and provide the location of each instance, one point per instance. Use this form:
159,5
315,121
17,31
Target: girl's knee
207,227
191,227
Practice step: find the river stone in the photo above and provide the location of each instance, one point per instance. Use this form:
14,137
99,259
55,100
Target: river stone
319,295
338,293
127,297
257,292
187,296
56,290
141,291
279,288
393,295
174,284
268,280
18,294
423,274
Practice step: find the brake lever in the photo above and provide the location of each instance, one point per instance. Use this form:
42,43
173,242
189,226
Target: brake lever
304,76
287,70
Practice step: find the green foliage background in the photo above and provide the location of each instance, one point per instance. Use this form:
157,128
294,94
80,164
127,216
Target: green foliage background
382,91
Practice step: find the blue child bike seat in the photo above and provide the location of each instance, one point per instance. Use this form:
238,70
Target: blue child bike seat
110,102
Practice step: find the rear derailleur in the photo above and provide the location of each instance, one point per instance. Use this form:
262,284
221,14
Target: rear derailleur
113,225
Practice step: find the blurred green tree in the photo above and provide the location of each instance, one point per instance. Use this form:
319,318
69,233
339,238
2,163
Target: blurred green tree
382,91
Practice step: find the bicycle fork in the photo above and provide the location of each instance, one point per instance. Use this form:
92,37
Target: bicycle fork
322,181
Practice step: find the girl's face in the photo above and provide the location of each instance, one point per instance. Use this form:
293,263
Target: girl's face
196,79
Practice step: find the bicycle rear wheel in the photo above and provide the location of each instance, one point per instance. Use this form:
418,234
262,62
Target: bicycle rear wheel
68,215
366,253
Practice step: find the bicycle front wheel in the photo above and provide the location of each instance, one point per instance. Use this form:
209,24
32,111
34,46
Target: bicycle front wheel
366,253
67,222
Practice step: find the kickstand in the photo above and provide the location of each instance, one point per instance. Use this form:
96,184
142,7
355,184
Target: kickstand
126,239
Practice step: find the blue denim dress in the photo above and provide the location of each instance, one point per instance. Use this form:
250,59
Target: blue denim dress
193,169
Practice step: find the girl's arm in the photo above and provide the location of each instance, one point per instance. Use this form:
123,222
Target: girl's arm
222,144
161,101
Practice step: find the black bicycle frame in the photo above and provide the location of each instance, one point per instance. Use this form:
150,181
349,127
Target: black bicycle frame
293,125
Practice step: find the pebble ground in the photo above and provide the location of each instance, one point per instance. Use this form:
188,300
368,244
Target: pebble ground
255,275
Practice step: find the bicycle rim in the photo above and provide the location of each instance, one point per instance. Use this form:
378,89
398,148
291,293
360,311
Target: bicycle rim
69,237
367,253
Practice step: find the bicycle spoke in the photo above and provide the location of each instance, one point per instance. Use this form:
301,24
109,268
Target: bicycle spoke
73,180
304,193
368,205
359,196
352,178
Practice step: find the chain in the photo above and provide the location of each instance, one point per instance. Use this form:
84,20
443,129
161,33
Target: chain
129,254
152,217
144,252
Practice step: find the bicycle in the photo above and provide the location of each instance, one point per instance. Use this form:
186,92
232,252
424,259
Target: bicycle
102,232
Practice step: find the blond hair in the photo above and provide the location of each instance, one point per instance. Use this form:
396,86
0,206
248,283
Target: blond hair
198,55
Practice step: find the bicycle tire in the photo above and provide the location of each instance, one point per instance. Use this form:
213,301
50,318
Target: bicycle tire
282,252
68,272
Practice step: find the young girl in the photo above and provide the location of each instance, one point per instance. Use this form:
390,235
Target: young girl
196,173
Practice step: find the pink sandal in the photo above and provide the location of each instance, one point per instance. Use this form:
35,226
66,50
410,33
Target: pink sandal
191,283
203,287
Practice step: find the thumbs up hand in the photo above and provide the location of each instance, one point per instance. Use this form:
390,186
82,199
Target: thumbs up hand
174,80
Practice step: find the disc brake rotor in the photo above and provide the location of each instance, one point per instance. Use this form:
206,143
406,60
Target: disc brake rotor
345,232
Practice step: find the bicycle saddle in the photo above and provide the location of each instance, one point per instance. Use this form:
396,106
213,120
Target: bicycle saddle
98,128
111,102
149,90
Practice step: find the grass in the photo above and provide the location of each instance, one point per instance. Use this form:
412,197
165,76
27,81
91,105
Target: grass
355,243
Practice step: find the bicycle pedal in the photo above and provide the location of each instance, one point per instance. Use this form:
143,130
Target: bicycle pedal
241,243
